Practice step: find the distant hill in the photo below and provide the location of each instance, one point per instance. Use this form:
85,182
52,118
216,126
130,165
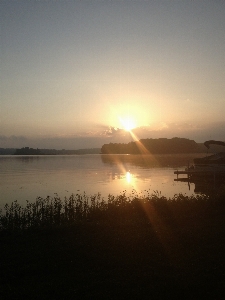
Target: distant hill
154,146
160,146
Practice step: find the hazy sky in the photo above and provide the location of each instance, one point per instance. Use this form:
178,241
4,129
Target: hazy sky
72,70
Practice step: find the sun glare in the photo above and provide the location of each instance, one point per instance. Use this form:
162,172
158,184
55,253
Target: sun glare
128,177
127,123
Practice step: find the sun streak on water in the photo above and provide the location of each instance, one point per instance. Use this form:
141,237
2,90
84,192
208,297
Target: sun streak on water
128,177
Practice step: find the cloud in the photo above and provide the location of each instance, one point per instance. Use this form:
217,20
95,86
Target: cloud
113,131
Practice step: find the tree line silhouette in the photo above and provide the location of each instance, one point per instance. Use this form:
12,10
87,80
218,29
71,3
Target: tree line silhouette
32,151
154,146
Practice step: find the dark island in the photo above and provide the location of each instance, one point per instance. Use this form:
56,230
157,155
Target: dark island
153,146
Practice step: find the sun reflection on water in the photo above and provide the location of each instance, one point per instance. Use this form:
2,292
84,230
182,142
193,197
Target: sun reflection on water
128,177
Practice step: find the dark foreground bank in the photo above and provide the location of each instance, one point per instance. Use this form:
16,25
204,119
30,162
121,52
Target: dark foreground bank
127,248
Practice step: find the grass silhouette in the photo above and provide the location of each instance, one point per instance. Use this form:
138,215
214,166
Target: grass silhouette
138,246
52,212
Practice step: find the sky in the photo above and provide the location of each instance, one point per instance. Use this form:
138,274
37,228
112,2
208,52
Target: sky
74,73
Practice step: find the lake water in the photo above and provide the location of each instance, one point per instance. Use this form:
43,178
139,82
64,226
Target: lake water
27,177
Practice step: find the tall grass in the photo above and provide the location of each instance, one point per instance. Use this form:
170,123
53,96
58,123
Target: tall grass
56,212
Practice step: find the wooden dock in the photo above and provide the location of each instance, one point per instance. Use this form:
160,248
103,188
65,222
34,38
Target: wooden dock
183,172
201,173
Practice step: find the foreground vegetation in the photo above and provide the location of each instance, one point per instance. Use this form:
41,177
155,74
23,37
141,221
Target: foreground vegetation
141,246
54,212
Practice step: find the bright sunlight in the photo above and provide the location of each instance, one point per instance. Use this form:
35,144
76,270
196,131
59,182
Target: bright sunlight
127,123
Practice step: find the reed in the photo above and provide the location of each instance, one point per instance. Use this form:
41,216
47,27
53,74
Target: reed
56,212
129,246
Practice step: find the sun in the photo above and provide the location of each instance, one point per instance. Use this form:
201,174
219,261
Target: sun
128,123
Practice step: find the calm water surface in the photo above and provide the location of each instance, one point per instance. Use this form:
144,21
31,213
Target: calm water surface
27,177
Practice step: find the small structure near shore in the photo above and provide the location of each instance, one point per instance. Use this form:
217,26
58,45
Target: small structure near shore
210,169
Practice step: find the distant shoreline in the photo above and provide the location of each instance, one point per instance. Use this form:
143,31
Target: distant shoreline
32,151
117,148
